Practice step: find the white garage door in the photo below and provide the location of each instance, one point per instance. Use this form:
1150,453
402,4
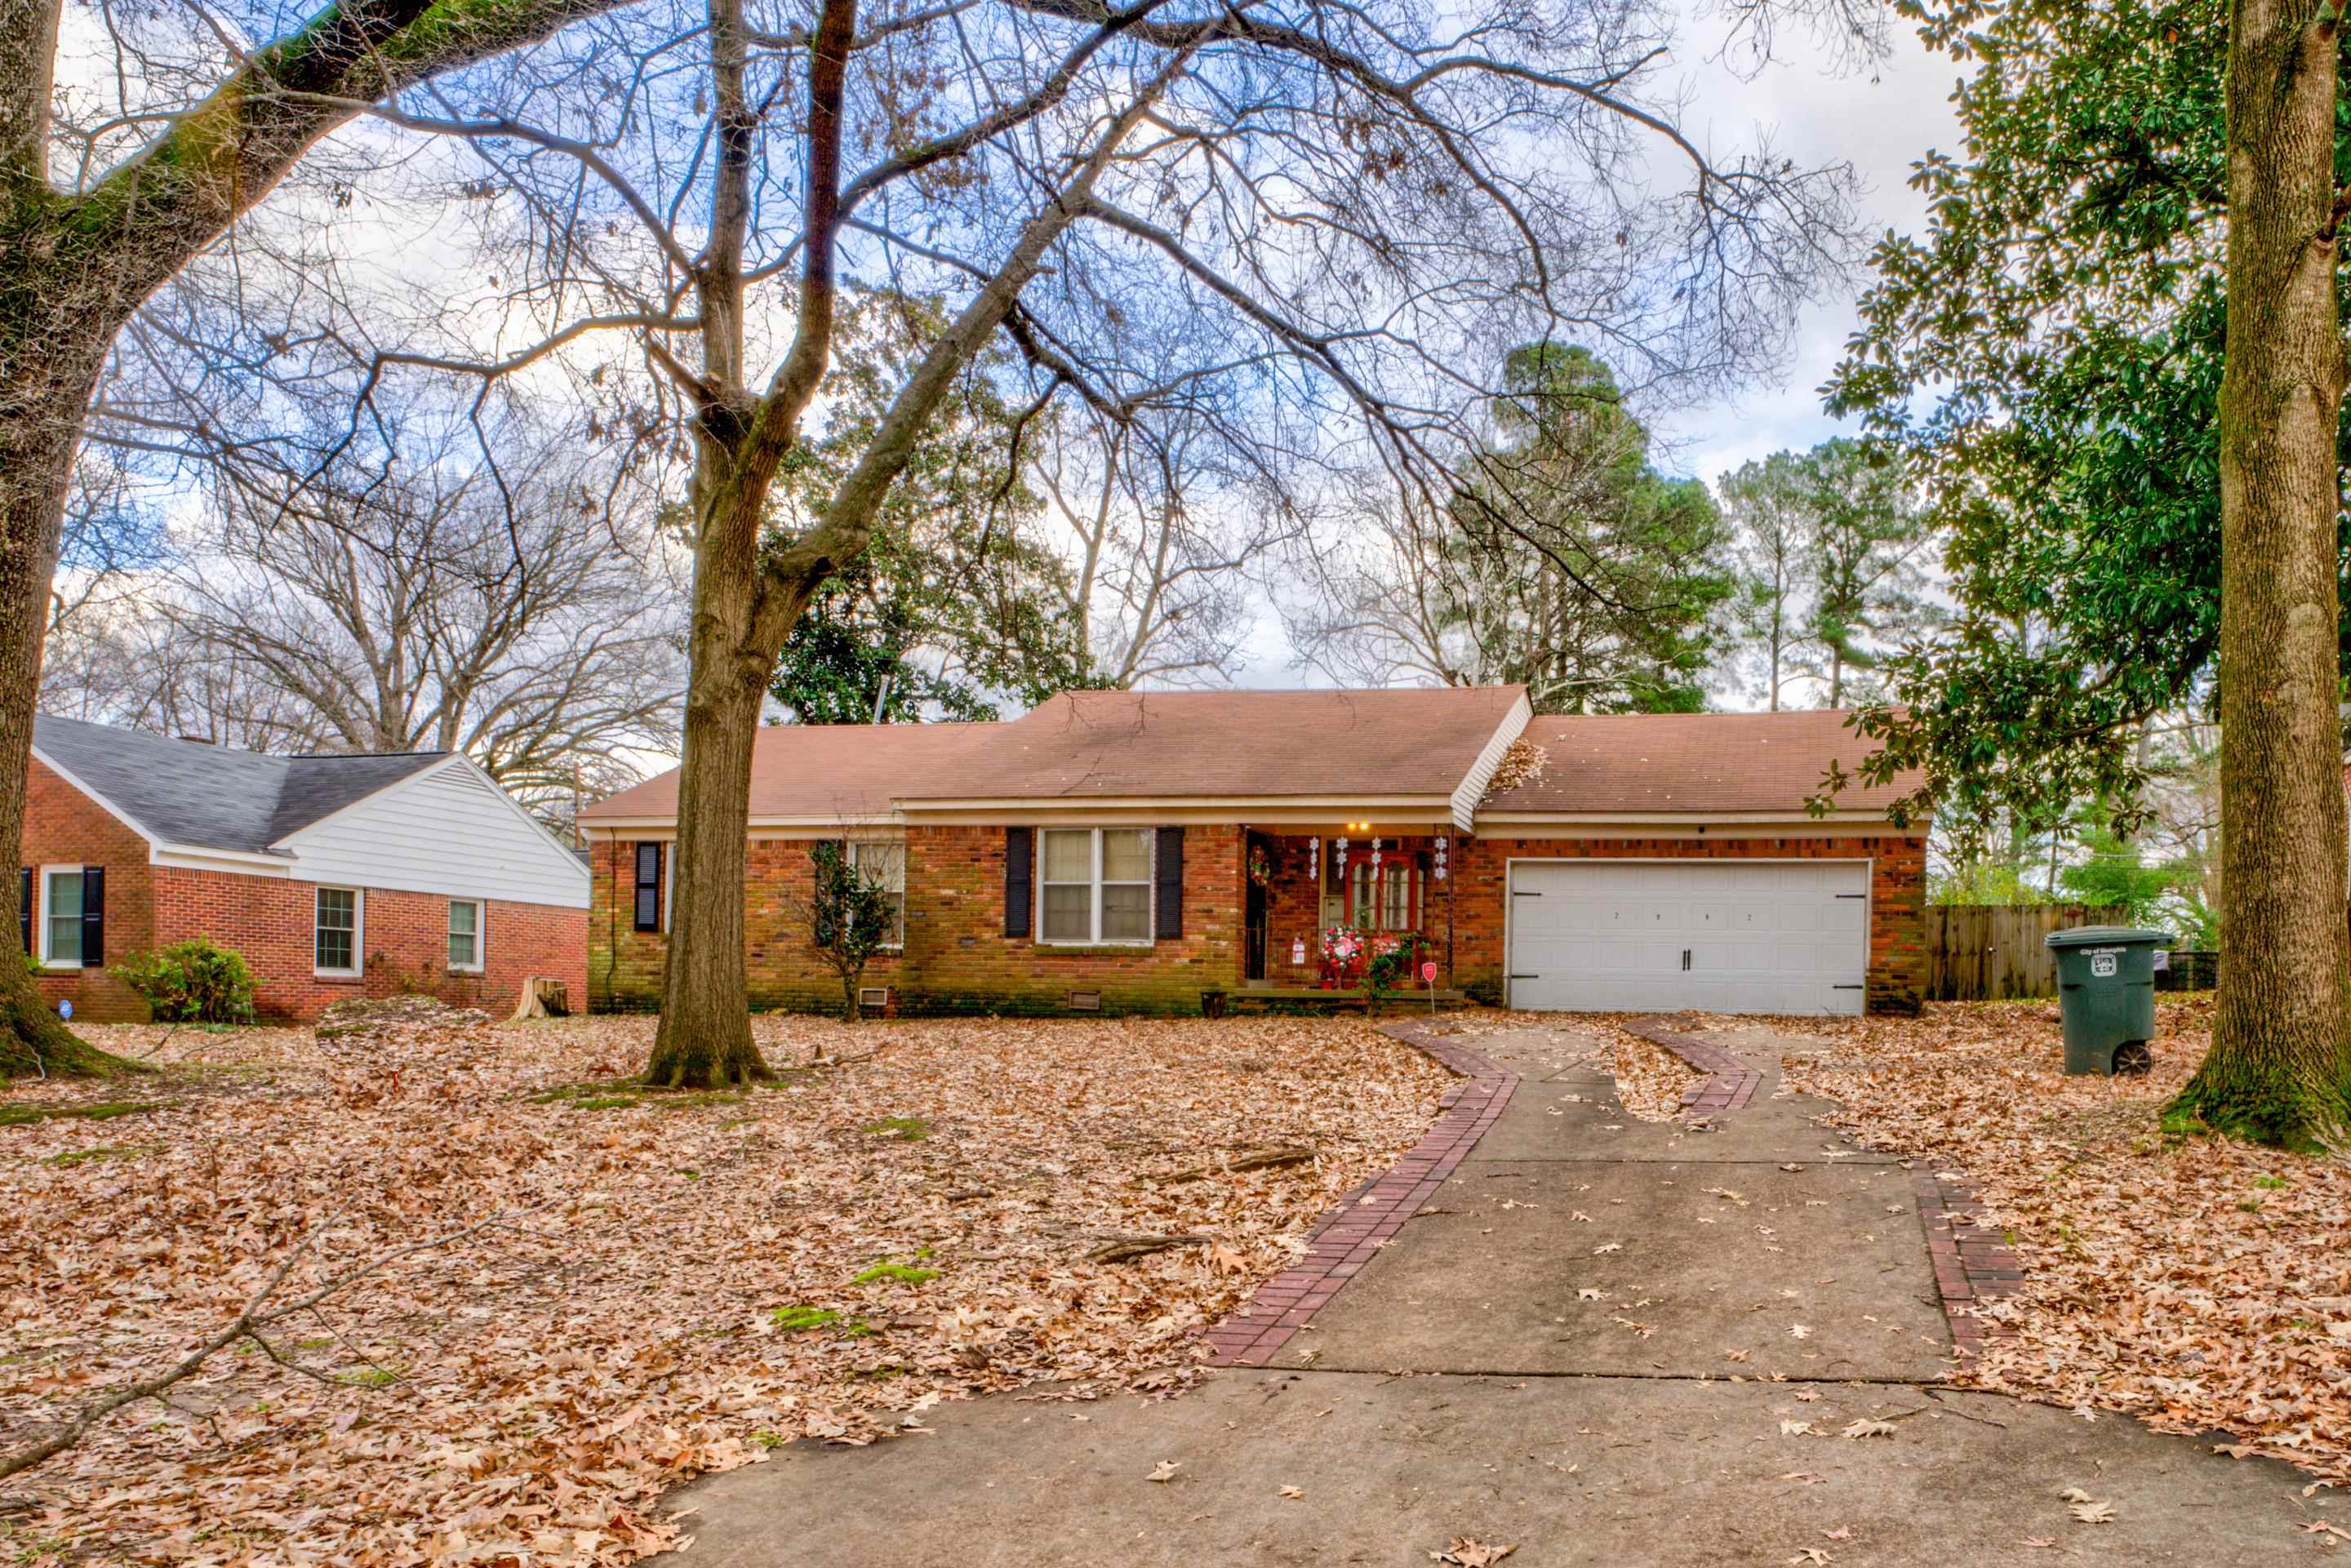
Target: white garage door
1734,937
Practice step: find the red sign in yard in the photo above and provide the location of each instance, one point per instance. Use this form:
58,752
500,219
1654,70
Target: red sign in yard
1428,973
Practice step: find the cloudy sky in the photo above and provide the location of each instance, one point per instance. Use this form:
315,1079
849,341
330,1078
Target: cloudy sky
1882,123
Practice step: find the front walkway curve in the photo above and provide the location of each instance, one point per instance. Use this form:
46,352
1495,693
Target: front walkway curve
1598,1340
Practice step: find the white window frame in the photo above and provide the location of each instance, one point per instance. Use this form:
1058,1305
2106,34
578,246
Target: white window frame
1095,938
481,907
359,932
41,897
858,847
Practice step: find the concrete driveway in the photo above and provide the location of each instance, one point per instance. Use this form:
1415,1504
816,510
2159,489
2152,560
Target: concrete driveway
1599,1341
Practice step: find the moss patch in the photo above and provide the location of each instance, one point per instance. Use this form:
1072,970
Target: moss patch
25,1115
804,1320
100,1153
906,1129
896,1273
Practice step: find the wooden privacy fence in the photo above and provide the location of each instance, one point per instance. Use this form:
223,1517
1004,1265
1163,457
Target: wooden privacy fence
1990,952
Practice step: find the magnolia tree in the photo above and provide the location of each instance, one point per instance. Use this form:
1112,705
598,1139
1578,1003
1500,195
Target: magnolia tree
1296,233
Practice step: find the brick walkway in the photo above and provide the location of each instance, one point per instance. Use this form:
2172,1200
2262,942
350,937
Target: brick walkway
1348,1236
1729,1083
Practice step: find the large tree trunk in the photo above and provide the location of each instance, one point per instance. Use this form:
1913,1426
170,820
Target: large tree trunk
706,1024
2278,1071
40,428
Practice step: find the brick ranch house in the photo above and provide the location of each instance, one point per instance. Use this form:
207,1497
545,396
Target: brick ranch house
1149,851
334,876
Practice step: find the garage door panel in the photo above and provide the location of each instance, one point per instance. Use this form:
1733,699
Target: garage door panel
1759,935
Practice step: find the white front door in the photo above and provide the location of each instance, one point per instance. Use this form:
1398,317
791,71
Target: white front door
1713,936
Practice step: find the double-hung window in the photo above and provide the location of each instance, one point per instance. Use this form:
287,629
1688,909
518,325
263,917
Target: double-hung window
338,931
1388,897
61,912
465,935
1096,885
884,862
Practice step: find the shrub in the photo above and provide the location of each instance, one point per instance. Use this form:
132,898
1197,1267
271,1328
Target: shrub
195,981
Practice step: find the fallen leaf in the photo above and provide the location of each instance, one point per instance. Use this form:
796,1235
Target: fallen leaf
1164,1470
1868,1427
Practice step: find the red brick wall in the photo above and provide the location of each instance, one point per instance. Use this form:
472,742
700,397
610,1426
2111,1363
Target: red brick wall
957,957
1897,950
959,960
785,971
65,827
404,937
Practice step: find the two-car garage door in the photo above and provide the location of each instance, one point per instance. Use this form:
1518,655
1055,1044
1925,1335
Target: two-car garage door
1734,937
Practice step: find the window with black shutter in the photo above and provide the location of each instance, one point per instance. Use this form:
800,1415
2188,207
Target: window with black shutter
649,886
1170,925
93,916
1019,860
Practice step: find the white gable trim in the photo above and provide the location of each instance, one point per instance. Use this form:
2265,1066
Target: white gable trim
1472,788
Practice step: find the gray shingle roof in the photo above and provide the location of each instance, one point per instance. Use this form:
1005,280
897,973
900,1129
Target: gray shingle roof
209,797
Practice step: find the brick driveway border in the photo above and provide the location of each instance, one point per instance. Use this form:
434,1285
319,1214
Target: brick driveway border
1350,1234
1972,1265
1728,1084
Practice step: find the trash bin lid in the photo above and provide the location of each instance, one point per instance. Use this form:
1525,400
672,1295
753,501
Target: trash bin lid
2107,936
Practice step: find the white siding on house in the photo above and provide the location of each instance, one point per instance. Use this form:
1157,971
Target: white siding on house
449,830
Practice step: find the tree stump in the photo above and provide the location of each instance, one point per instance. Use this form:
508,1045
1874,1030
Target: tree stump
543,999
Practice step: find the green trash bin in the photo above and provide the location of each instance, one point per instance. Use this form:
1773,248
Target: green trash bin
2105,990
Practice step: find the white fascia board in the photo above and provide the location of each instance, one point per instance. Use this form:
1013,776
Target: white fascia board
1239,807
1569,824
194,857
1472,788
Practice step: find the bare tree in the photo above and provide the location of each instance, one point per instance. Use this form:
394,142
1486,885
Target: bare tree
413,596
1561,560
1341,206
111,185
443,605
1164,538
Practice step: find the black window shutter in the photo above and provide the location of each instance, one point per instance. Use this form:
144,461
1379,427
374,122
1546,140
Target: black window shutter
649,888
1171,885
1020,859
824,932
93,916
25,906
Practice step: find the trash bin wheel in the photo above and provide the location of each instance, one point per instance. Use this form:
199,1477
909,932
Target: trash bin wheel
2133,1060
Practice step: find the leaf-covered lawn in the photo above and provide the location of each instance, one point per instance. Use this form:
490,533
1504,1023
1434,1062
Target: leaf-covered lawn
673,1282
2196,1284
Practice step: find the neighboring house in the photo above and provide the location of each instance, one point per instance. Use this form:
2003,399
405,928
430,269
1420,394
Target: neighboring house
1140,852
335,876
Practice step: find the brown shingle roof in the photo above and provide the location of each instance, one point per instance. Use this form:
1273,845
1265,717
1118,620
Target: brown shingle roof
1249,743
1699,763
837,772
